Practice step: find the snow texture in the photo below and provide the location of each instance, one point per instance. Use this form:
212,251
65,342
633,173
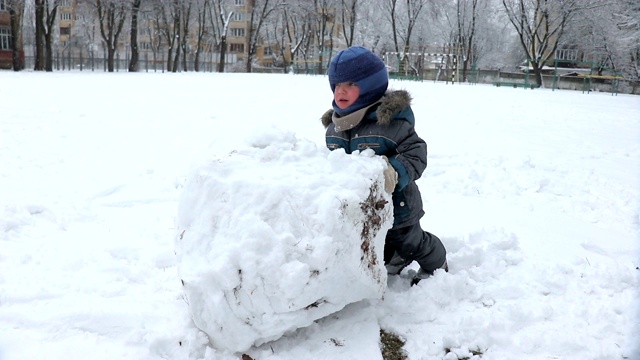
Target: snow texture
534,193
262,252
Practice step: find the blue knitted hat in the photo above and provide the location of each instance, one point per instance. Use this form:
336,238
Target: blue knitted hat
361,66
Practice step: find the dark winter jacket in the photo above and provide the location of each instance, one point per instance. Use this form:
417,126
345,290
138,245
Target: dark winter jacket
387,127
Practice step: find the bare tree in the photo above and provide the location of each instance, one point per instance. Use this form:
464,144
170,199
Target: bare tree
299,33
185,13
413,8
45,20
629,25
540,25
166,14
218,19
177,19
394,28
402,32
348,18
403,22
135,9
294,35
277,40
201,20
497,46
16,14
285,33
260,10
84,29
609,33
168,20
324,28
111,16
467,11
40,53
51,11
374,27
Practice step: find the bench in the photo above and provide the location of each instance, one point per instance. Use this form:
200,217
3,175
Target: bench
516,84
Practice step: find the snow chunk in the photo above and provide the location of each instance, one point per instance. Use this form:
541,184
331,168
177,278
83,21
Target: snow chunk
278,234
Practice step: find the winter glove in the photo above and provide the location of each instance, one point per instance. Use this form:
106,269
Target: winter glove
390,177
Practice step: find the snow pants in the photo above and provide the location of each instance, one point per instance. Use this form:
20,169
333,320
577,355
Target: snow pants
415,244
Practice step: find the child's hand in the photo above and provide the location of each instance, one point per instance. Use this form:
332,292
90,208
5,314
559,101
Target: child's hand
390,177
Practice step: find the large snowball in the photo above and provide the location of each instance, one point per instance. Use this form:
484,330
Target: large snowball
278,234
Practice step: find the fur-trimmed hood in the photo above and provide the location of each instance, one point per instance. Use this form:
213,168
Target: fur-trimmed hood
391,103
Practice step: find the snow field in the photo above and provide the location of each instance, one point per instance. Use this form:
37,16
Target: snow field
534,193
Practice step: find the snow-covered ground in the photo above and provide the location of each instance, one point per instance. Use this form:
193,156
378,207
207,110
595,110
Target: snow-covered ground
535,194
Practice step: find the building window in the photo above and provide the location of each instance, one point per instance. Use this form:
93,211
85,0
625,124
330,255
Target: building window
65,16
5,39
64,3
237,32
236,48
65,31
237,16
3,5
239,2
145,45
267,51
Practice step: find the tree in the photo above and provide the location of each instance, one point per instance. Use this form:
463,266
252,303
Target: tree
84,31
201,19
403,23
348,18
135,9
168,20
218,19
259,12
629,25
39,63
324,29
154,31
16,12
45,18
277,40
111,16
50,16
185,13
467,11
373,29
540,25
495,44
294,33
608,34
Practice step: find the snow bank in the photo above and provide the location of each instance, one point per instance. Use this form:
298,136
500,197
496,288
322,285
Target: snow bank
278,234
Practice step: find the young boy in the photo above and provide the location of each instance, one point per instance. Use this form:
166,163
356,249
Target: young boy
366,115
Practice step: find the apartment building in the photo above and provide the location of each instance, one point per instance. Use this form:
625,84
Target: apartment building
78,35
77,41
6,52
238,30
66,10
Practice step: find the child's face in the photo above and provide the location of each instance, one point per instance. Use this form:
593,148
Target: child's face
346,94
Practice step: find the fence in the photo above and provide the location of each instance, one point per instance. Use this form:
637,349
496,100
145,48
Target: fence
63,62
561,82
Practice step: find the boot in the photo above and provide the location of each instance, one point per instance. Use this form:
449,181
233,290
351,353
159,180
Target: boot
422,274
396,264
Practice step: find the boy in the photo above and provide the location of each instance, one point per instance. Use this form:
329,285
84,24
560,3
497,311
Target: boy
366,115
